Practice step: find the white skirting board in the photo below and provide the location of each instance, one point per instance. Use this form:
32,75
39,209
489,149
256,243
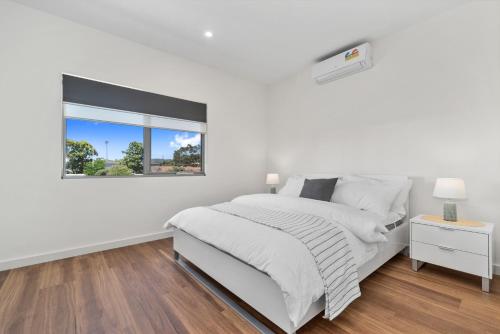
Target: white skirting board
496,269
70,252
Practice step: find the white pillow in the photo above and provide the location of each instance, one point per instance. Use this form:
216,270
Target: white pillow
293,186
399,203
403,182
366,194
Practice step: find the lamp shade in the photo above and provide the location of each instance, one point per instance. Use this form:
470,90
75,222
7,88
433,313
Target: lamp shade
272,179
449,188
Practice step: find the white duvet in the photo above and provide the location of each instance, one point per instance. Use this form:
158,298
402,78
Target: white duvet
285,259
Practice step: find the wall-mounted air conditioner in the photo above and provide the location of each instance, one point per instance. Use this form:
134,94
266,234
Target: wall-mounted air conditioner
346,63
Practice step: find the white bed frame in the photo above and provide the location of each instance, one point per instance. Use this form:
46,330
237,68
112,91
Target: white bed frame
255,287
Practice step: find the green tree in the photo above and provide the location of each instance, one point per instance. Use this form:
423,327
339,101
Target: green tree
79,153
101,172
187,156
92,167
118,170
134,156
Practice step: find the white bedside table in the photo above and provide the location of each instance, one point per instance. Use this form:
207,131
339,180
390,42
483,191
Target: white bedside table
455,246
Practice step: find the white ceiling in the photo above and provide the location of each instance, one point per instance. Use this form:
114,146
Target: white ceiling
263,40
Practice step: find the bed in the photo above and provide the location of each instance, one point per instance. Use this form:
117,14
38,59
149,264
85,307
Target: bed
198,241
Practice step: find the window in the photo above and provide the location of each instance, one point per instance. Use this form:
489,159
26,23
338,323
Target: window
100,142
175,151
96,148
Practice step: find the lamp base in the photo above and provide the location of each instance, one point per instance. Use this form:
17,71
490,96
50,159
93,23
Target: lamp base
450,211
273,190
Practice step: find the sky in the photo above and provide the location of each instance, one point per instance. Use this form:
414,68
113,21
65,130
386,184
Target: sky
163,142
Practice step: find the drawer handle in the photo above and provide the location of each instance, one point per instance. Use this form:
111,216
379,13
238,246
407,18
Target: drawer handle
447,228
448,249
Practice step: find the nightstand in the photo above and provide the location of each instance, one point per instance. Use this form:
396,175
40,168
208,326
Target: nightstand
465,246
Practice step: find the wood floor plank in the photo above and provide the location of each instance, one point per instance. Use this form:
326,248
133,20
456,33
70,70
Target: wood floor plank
10,297
54,311
117,315
428,312
141,289
3,277
89,312
148,310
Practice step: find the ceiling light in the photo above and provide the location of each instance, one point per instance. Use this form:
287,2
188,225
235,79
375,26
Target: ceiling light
208,34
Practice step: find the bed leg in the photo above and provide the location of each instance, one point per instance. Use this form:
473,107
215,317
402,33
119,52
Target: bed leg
176,255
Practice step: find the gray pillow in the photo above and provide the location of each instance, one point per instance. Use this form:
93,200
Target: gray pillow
320,189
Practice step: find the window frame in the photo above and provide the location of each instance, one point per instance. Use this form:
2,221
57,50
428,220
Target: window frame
202,154
147,153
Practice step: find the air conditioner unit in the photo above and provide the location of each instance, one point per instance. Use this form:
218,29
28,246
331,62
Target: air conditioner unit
346,63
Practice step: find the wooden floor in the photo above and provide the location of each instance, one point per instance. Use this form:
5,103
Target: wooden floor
140,289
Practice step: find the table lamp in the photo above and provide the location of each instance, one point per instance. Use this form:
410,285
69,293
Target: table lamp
273,179
449,189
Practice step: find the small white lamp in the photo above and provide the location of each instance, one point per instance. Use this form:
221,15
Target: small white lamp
449,188
273,179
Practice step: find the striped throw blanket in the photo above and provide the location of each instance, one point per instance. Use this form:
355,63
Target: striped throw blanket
326,242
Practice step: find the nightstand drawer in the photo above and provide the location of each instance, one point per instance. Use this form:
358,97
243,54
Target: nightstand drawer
453,238
450,258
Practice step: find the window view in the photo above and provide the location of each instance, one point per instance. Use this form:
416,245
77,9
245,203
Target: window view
103,148
175,151
118,131
96,148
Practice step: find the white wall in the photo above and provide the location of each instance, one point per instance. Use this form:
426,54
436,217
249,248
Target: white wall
430,107
40,212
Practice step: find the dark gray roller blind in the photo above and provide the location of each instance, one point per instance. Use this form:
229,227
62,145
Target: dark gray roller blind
99,94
